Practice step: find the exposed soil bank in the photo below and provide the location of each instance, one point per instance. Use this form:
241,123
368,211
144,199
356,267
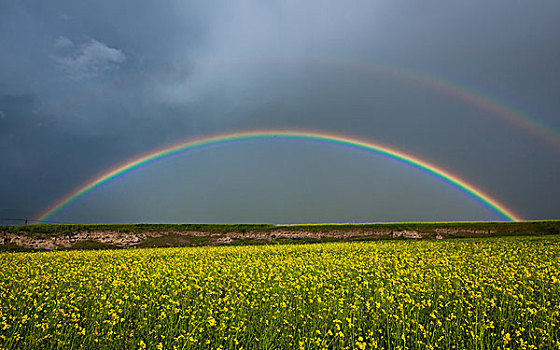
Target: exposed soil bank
50,237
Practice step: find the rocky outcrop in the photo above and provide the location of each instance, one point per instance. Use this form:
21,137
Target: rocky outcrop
463,230
119,239
50,237
131,239
407,234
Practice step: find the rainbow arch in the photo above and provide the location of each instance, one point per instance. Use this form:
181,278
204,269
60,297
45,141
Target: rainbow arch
437,83
461,92
469,95
384,151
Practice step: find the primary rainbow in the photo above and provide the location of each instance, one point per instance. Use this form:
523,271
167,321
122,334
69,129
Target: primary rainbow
384,151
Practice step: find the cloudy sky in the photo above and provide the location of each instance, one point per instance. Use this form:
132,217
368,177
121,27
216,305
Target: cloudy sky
87,85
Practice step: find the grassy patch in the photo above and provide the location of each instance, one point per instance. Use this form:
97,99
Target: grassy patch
14,248
91,245
173,240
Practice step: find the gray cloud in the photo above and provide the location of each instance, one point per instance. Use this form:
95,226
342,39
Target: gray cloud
87,60
63,42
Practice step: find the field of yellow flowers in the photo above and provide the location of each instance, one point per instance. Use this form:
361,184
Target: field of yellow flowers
493,293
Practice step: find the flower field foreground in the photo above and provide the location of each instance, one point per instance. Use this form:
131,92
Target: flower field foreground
465,294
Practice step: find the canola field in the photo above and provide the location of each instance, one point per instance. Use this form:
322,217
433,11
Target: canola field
499,293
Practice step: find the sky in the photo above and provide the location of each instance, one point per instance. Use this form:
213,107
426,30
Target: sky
85,86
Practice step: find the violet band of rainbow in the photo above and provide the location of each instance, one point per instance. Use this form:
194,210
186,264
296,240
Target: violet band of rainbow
482,198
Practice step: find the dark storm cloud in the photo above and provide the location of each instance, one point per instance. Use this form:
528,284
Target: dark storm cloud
86,85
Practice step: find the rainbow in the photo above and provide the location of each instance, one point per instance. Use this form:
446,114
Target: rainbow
461,92
384,151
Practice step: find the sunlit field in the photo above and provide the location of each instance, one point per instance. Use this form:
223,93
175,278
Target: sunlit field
493,293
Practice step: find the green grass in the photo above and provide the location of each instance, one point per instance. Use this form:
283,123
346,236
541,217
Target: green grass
13,248
91,245
57,229
513,228
173,240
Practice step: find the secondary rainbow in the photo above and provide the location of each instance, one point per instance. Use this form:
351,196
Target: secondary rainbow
384,151
459,91
469,95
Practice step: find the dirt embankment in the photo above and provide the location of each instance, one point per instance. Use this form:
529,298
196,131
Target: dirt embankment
131,239
51,237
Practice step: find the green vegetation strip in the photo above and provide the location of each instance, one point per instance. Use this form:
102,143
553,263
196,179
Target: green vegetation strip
501,227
